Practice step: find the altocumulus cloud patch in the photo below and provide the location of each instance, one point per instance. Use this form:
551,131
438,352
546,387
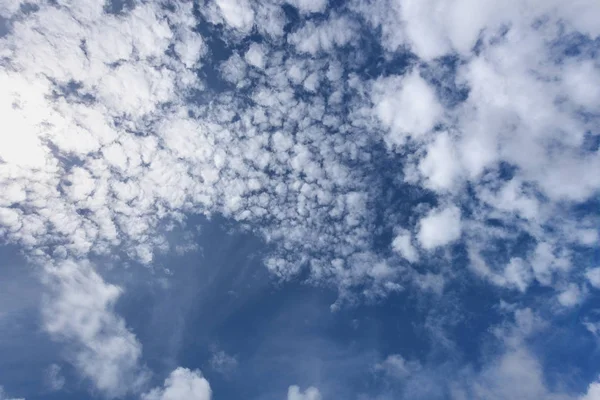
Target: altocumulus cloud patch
389,151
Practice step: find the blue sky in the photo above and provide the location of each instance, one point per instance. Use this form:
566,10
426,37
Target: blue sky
299,200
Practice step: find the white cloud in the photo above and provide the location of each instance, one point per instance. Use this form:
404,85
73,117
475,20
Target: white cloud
323,37
23,109
101,167
234,69
255,56
309,6
312,393
80,312
593,392
518,274
440,166
237,13
270,19
402,244
571,296
593,276
182,384
407,106
3,395
129,156
439,227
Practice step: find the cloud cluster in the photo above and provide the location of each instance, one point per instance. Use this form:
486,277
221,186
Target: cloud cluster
110,136
496,119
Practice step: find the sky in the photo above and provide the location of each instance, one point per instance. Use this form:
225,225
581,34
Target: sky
300,199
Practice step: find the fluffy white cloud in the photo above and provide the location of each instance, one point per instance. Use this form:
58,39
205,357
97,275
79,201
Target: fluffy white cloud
255,56
439,227
440,166
402,244
182,384
237,13
407,106
571,296
323,37
523,110
80,312
434,28
593,392
593,276
312,393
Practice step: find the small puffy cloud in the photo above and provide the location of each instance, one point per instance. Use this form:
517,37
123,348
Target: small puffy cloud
234,69
571,296
407,106
518,274
190,48
440,167
270,19
237,13
182,384
312,393
324,37
440,227
402,244
311,83
593,277
255,56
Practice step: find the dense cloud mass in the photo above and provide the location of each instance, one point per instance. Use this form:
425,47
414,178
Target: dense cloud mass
293,120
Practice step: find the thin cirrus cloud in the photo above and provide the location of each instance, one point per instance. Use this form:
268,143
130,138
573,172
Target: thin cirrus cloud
112,131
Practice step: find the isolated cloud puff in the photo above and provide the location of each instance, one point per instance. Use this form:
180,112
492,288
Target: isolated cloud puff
181,384
312,393
440,227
